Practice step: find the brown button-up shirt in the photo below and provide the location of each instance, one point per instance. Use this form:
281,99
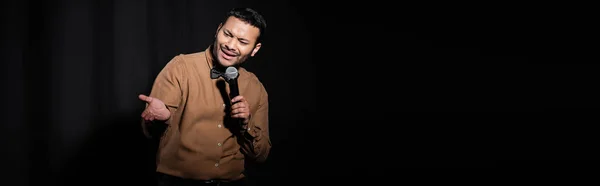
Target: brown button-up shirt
197,143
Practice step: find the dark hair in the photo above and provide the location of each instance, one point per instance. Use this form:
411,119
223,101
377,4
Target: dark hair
251,17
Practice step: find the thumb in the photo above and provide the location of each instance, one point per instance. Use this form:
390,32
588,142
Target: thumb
145,98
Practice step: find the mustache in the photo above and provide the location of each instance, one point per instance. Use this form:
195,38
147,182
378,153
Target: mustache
228,51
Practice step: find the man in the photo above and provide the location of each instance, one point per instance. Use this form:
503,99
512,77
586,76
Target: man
202,142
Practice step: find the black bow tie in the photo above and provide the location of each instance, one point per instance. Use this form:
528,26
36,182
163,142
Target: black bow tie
214,73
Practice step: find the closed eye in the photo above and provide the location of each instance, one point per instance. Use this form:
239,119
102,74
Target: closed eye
227,34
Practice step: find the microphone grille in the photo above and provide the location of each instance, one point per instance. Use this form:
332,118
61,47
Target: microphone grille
231,73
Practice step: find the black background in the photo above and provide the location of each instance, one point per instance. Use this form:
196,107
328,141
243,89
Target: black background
358,92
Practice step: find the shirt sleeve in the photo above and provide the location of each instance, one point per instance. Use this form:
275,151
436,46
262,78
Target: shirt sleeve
167,87
255,142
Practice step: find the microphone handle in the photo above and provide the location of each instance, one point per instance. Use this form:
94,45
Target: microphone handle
233,89
233,92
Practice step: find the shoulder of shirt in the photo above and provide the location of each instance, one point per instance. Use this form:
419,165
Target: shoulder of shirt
191,57
250,76
183,60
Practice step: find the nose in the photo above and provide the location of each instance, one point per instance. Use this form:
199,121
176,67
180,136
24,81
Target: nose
229,44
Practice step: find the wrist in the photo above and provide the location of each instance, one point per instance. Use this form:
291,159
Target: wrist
165,114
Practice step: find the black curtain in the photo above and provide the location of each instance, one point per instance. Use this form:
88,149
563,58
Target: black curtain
72,71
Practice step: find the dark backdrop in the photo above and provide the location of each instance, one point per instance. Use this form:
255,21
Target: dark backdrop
72,71
358,91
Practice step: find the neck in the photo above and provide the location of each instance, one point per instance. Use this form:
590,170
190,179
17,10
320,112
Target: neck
218,66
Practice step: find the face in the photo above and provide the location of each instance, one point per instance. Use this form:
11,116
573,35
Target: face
235,42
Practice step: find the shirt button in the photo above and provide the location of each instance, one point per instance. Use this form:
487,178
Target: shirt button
216,164
219,125
219,144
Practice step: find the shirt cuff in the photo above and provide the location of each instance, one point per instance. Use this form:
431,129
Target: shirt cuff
252,132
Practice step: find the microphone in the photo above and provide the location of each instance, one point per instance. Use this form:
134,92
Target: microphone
231,75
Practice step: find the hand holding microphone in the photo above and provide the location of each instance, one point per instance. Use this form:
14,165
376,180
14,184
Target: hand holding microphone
240,107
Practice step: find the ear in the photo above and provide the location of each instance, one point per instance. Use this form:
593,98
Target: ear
256,48
218,28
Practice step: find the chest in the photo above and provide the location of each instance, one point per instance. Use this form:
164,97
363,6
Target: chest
210,99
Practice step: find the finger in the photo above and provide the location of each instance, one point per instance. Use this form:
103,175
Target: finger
239,115
142,97
145,98
238,105
149,118
238,98
241,110
235,111
146,113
